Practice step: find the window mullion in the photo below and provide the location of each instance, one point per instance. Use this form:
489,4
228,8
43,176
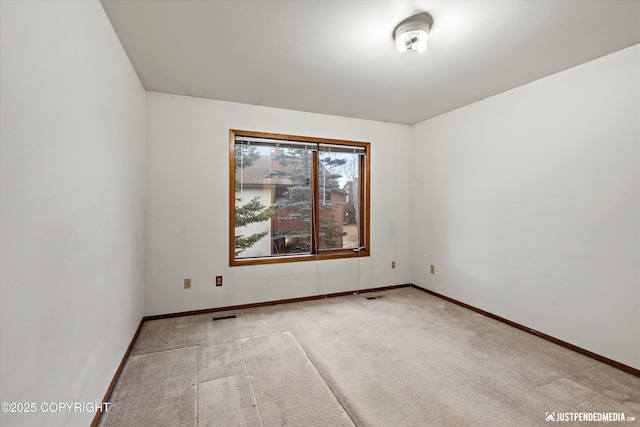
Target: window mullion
361,202
315,202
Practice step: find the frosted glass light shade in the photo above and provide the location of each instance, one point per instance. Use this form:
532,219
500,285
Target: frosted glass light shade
412,35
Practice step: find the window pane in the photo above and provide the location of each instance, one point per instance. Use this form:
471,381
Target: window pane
339,195
292,181
273,200
253,202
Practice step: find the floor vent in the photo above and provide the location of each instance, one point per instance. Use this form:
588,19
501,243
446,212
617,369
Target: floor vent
231,316
375,297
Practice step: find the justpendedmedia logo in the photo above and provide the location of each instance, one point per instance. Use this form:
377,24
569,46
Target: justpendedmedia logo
588,416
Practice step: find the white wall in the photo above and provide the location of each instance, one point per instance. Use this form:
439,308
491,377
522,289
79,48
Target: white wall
528,204
72,183
187,225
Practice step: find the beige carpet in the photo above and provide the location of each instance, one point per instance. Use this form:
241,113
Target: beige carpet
406,359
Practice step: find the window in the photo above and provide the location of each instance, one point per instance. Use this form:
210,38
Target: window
296,198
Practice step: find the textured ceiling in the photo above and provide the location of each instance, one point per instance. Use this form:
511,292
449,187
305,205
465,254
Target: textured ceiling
338,57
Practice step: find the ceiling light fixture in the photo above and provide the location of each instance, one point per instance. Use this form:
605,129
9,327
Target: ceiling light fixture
412,34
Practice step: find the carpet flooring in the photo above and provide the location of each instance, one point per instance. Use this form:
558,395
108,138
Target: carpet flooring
406,358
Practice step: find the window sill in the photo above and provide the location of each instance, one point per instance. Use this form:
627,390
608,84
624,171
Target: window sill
336,254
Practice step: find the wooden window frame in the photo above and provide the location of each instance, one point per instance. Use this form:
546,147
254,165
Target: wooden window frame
316,253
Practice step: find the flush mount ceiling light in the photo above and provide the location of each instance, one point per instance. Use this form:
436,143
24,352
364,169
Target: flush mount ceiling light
412,33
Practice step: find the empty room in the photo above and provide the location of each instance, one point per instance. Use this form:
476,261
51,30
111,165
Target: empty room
319,213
